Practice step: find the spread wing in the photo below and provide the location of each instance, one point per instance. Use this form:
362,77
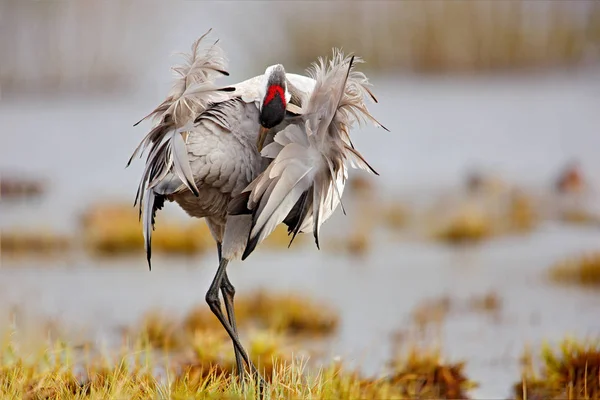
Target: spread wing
303,184
185,151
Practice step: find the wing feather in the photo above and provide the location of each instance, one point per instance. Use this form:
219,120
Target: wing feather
304,183
167,164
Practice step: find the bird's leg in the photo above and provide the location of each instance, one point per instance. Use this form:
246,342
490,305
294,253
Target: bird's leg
228,292
212,298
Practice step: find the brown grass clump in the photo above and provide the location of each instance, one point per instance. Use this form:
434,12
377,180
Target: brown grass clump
18,188
201,319
288,314
469,225
521,212
571,179
572,372
579,216
358,244
26,242
357,241
161,331
489,302
113,229
394,216
582,270
292,314
432,312
422,373
360,185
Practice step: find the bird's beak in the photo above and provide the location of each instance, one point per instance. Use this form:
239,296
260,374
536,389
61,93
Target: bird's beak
262,134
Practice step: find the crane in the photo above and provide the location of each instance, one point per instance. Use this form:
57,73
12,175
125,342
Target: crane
272,149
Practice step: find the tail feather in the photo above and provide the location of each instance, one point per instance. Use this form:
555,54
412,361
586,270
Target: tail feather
152,203
304,183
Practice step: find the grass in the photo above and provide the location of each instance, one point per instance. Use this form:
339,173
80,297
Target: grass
423,374
26,241
55,371
572,372
58,371
290,315
581,270
579,216
192,357
469,224
114,228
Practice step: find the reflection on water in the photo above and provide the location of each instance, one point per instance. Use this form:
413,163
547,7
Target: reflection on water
523,128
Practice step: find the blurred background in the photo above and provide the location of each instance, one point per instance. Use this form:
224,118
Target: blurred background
484,222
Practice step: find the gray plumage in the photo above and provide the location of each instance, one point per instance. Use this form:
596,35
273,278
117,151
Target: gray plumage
308,172
202,151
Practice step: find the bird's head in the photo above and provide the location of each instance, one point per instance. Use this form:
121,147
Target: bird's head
275,97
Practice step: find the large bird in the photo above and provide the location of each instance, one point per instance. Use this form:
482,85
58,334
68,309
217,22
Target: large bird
272,149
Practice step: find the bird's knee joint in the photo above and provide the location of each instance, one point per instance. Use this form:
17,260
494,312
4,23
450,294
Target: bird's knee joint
213,299
229,289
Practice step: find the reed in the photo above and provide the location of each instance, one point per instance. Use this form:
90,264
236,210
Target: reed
445,36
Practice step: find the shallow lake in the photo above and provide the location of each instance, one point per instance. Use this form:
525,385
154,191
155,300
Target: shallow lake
523,128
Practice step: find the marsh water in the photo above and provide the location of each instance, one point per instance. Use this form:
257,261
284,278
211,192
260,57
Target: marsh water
521,127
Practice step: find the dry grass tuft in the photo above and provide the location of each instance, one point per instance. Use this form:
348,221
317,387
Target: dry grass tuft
470,224
292,314
395,216
579,216
42,242
422,373
53,375
359,185
522,215
572,372
113,229
161,331
488,303
580,270
19,188
284,314
432,312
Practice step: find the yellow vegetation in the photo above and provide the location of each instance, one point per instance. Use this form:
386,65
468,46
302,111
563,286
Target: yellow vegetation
115,228
470,224
572,372
288,314
422,373
581,270
28,242
59,372
578,215
521,213
292,314
394,216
